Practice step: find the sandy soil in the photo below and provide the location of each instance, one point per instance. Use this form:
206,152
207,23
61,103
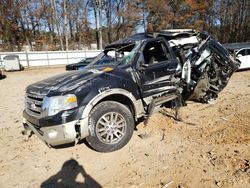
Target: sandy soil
210,148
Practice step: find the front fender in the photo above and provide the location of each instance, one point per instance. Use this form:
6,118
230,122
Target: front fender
137,104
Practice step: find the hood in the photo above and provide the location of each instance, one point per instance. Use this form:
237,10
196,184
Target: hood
67,81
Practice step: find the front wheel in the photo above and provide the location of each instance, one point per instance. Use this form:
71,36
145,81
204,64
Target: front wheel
111,126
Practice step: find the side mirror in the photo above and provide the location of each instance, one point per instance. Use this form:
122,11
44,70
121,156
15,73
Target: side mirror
239,55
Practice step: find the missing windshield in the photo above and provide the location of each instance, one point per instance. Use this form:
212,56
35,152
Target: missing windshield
120,54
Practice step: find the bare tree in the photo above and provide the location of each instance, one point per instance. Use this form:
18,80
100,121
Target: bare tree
100,22
108,14
65,25
57,21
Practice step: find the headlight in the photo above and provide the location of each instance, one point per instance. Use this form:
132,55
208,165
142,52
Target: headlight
53,105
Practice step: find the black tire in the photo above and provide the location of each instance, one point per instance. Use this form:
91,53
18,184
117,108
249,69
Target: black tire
101,130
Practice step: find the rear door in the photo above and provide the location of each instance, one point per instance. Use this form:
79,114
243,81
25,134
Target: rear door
156,68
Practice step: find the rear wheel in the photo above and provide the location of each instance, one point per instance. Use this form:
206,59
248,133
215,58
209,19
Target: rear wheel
111,126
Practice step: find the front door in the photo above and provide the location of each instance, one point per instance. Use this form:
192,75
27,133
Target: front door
156,69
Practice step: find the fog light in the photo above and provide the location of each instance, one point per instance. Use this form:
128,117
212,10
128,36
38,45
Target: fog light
52,134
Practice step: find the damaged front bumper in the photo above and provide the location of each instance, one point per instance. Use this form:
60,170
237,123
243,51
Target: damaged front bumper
57,129
65,133
54,135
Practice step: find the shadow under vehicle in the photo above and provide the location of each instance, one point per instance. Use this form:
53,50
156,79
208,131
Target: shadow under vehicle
147,71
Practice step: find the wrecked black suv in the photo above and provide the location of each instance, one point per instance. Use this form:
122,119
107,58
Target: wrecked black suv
146,71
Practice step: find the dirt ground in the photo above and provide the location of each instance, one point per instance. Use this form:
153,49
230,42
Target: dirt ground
210,148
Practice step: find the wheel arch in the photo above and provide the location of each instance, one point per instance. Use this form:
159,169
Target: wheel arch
123,100
119,95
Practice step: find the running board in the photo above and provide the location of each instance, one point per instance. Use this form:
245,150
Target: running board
159,101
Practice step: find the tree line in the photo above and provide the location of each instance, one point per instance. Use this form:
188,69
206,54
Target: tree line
77,24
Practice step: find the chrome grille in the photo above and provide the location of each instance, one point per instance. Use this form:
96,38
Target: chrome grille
33,104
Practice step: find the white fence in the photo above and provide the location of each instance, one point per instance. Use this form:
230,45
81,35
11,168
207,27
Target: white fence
48,58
